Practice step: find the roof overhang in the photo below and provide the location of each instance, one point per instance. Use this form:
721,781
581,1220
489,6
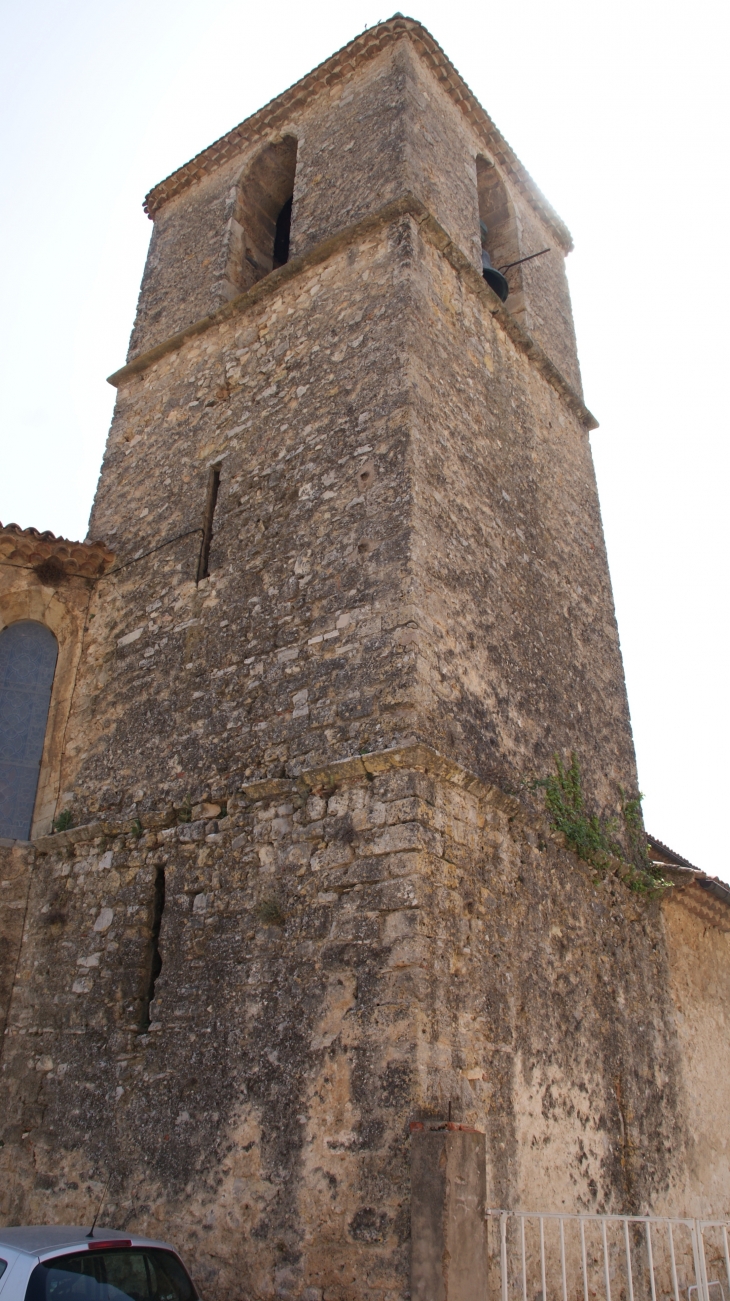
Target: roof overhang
52,558
338,67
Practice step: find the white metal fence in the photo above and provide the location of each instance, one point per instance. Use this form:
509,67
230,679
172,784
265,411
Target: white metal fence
551,1257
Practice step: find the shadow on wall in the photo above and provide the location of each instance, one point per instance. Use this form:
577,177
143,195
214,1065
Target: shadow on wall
258,239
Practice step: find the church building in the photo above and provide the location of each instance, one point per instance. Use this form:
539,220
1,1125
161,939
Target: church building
295,953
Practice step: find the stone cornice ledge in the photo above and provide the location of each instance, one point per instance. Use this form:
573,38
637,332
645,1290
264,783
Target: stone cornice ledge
416,757
340,66
407,205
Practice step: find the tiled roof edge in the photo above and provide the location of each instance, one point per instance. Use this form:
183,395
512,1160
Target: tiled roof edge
47,536
664,849
31,547
688,874
356,52
713,884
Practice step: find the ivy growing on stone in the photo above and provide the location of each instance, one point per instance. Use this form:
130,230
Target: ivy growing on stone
595,839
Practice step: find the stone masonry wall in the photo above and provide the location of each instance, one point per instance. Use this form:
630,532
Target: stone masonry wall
340,955
309,896
16,862
384,130
350,162
518,641
290,652
548,315
302,648
367,383
697,936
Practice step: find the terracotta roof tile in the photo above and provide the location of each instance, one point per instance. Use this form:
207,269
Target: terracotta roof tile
31,549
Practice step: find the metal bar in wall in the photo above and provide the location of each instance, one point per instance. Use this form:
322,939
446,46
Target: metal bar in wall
606,1266
650,1257
616,1217
503,1255
563,1271
675,1283
701,1294
629,1275
675,1265
702,1280
584,1260
727,1254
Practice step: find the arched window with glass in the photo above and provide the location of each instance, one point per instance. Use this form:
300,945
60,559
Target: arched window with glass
28,653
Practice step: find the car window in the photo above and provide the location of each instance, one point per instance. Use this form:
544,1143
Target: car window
124,1274
3,1267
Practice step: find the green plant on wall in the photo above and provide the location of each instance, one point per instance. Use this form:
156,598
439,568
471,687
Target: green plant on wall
185,810
63,821
634,830
270,912
595,839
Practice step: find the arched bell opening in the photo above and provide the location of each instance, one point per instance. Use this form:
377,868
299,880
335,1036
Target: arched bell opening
282,234
499,236
28,654
260,228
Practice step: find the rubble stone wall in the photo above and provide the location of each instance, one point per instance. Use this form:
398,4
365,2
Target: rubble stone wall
518,646
370,394
290,652
384,130
341,954
16,865
309,895
697,937
350,162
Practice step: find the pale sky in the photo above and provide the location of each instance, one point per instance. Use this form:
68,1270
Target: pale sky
620,111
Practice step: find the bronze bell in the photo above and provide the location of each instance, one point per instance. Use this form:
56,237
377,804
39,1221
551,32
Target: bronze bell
493,277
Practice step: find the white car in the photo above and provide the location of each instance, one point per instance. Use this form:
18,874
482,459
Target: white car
56,1263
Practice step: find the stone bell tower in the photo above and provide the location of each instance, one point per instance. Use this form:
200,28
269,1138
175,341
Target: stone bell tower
308,908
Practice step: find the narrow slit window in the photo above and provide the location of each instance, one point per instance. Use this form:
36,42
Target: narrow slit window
154,957
211,498
281,236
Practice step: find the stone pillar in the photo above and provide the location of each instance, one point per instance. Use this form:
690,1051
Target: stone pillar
448,1202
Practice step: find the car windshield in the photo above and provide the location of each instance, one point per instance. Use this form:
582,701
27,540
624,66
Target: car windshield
3,1267
118,1274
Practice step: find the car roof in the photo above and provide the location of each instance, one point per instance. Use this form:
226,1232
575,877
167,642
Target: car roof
37,1238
